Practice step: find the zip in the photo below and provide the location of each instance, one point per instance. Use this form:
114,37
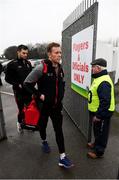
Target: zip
56,91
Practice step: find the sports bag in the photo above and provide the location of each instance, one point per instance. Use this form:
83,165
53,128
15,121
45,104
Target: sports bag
31,116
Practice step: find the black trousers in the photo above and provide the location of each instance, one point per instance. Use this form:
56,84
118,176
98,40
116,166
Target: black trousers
56,117
101,134
21,100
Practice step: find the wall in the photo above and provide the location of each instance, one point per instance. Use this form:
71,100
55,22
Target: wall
105,50
111,54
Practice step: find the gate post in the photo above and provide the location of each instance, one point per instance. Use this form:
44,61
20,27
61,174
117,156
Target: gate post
2,122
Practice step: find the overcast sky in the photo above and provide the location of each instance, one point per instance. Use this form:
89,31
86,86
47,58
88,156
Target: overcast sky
37,21
108,23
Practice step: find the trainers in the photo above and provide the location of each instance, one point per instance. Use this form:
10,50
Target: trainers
65,162
45,147
19,129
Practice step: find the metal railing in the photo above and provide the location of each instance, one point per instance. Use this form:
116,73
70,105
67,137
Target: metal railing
78,12
2,122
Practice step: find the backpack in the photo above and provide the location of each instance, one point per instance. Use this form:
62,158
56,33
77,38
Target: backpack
45,68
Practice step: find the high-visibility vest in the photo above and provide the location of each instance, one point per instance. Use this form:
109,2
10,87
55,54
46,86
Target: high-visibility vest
93,99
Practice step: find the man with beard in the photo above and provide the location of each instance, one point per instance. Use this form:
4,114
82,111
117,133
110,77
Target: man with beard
16,72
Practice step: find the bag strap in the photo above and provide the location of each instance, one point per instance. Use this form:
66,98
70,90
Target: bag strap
45,68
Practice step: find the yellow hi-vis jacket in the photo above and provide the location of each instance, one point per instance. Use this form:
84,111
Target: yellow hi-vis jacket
93,99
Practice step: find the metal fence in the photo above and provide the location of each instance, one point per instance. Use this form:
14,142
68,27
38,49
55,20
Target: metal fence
78,12
84,16
2,122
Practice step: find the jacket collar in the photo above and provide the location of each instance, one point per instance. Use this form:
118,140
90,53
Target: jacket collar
103,72
50,63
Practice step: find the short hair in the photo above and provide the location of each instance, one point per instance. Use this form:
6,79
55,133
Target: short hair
51,45
20,47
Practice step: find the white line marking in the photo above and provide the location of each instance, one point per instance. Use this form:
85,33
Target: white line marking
7,93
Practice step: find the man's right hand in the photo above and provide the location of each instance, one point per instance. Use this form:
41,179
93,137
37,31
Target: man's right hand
20,86
42,97
95,119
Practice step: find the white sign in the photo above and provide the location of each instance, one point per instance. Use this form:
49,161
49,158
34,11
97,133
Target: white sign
82,49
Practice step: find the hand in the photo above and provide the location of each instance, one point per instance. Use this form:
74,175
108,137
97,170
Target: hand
87,88
20,86
95,119
34,96
42,97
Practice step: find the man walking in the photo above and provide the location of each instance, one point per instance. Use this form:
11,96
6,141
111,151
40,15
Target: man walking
16,72
49,77
101,105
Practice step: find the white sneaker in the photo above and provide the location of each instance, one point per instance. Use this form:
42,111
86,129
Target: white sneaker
19,129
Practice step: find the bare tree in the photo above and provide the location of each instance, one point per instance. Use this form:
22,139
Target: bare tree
11,52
